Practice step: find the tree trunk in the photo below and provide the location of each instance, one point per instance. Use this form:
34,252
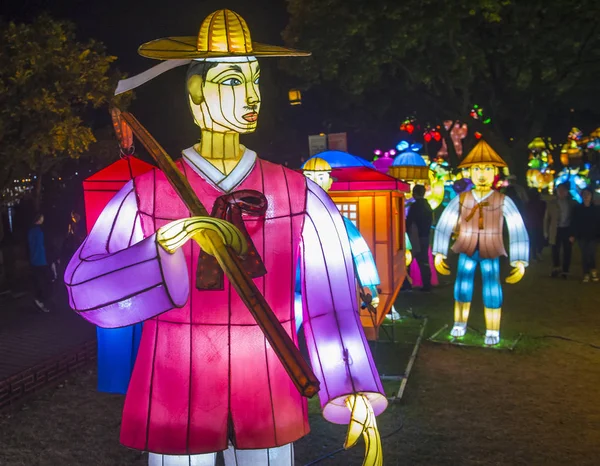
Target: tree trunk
37,199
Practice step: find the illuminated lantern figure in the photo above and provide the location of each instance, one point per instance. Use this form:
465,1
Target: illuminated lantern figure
383,162
476,219
319,171
374,203
540,174
205,378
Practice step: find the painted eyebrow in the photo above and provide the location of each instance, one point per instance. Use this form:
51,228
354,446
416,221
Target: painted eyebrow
235,68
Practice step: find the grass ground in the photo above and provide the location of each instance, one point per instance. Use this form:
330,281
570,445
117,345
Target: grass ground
538,404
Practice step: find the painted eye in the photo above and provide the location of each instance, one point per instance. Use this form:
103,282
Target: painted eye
231,82
256,80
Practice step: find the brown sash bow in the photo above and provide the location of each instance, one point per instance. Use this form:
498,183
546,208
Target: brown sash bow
479,206
230,207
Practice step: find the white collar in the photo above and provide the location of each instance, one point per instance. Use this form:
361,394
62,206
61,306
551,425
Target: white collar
476,196
212,174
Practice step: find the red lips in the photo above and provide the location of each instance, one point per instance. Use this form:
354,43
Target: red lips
250,117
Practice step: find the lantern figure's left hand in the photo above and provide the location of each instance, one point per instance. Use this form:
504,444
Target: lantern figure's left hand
440,264
363,422
175,234
517,273
375,296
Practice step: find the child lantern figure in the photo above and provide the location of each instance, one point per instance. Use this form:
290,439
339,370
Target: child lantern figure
206,379
475,218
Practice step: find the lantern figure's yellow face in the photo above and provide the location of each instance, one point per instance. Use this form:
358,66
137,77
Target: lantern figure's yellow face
482,175
228,100
322,178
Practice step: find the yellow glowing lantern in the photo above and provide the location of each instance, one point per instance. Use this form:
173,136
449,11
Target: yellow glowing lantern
295,97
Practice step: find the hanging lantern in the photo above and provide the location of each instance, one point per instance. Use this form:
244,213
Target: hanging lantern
122,131
295,97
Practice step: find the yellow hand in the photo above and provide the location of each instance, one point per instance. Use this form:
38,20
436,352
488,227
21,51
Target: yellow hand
363,422
175,234
375,301
375,296
408,257
440,264
517,273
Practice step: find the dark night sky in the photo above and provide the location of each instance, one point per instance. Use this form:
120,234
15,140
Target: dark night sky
161,105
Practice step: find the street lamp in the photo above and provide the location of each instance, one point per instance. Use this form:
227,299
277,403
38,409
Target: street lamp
295,97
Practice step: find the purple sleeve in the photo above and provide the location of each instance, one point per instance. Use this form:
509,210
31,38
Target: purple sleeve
117,278
338,349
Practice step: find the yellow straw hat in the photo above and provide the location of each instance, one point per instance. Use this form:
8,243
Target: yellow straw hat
482,153
223,33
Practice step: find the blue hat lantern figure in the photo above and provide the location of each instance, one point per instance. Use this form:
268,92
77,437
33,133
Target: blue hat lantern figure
339,159
409,165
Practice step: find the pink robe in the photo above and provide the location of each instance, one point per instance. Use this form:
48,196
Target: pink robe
205,372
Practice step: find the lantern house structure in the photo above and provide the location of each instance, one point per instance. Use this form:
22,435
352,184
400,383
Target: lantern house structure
117,348
374,203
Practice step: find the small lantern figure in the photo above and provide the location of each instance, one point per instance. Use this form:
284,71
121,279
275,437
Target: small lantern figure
295,97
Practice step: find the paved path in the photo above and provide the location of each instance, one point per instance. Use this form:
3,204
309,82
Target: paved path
29,337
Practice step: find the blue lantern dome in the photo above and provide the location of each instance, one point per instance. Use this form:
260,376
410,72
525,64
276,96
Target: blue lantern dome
409,158
339,159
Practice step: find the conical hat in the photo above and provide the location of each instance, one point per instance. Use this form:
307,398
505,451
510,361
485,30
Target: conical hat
222,34
482,153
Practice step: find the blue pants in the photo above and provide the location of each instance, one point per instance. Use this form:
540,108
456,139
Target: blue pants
490,273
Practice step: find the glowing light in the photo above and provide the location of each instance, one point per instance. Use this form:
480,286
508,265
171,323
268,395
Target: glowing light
295,97
377,152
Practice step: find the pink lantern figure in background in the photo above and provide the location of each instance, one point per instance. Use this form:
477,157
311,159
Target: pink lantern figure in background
382,162
457,134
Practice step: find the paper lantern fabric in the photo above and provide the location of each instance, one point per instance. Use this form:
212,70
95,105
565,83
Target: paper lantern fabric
117,348
192,386
361,254
488,240
339,159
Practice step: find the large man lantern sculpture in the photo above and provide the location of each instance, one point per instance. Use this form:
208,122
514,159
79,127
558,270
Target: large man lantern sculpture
206,379
476,219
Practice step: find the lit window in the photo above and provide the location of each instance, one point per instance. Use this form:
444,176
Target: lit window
349,211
